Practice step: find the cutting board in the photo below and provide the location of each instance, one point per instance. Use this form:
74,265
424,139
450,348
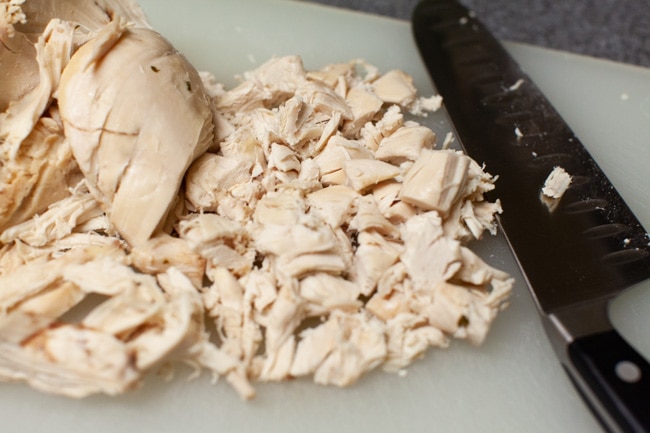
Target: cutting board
513,383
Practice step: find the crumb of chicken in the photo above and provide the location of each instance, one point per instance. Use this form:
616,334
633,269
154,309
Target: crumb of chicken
557,182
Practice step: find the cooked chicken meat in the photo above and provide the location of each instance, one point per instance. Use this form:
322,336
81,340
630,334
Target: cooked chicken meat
305,213
557,182
36,41
134,161
92,14
17,55
38,176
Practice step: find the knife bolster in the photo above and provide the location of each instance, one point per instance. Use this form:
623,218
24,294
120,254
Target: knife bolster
563,326
567,324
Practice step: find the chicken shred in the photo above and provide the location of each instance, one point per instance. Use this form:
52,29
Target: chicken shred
556,184
305,213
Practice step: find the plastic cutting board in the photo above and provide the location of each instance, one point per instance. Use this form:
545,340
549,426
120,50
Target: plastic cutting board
513,383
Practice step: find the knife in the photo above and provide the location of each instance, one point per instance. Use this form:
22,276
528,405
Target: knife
576,253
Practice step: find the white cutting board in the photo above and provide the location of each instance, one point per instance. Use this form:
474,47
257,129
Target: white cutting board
511,384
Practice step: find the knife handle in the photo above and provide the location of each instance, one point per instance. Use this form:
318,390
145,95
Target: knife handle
617,376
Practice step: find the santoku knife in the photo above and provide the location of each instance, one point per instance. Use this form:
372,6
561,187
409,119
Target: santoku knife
576,253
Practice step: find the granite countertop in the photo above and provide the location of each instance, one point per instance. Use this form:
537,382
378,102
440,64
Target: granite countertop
617,30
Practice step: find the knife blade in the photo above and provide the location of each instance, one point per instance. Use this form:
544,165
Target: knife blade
576,253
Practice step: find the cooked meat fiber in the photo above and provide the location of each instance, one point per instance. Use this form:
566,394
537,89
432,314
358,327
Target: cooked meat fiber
305,213
134,160
37,38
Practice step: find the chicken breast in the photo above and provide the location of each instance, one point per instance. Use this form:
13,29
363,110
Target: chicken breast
134,160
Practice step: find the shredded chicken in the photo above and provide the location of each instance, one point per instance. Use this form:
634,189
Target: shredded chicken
305,213
555,185
557,182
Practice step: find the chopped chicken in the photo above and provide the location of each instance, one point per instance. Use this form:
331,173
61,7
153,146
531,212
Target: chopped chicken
333,204
557,182
395,87
364,105
435,180
300,212
406,144
58,221
33,180
362,173
211,178
162,252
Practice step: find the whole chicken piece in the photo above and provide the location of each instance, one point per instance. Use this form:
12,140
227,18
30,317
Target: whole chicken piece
136,115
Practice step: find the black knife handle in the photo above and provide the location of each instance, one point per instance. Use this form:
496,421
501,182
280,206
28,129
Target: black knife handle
617,376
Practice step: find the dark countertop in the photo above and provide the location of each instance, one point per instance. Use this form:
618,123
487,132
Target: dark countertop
617,30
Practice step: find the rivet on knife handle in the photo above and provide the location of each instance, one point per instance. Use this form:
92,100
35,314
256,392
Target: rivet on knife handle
575,255
618,376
